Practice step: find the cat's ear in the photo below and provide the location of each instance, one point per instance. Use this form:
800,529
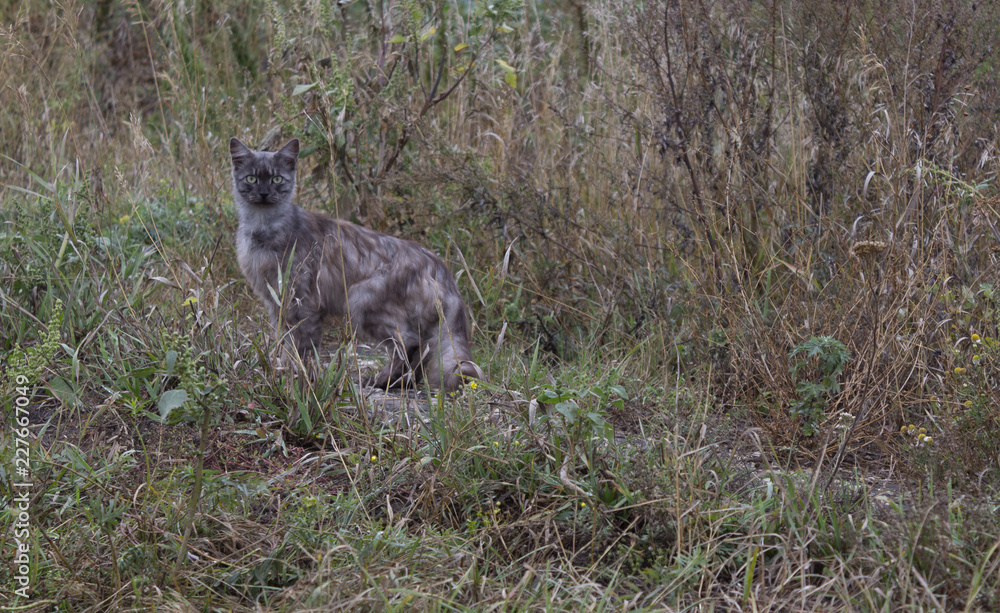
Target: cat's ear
238,151
290,150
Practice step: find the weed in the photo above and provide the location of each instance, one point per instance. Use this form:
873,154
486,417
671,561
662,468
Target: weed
816,365
28,365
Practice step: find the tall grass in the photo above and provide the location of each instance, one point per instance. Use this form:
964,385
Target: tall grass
731,266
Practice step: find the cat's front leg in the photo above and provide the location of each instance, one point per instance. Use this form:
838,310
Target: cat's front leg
307,335
398,369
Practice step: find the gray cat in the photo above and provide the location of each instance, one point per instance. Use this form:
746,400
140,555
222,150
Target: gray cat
390,290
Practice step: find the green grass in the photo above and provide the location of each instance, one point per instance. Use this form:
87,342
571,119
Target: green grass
718,263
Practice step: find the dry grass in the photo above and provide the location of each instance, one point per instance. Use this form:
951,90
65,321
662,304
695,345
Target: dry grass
717,254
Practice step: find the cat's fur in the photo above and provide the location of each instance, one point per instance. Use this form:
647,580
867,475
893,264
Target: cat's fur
392,291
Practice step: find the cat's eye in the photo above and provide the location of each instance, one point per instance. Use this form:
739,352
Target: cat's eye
251,179
276,179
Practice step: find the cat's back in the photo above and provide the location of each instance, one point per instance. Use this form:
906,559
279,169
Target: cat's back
372,252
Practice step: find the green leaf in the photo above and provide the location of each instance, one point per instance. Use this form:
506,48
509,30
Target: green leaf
399,38
568,410
511,79
27,191
171,400
64,390
274,294
428,33
48,186
171,361
139,373
505,65
461,47
619,390
505,28
301,89
548,396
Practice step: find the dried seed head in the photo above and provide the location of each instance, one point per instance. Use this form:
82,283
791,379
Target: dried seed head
863,249
978,218
990,204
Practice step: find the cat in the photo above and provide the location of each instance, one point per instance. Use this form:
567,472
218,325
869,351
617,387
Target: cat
392,291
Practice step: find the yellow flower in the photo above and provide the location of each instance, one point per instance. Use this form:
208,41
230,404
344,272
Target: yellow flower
374,458
496,444
911,428
190,300
968,404
583,505
922,431
928,440
123,220
976,358
959,370
473,385
975,338
902,430
920,436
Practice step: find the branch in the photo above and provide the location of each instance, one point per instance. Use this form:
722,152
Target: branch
430,102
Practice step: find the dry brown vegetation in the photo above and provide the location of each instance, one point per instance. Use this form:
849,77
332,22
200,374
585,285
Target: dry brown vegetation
718,255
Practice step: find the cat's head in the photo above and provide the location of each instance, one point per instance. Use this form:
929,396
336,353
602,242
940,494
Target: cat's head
261,178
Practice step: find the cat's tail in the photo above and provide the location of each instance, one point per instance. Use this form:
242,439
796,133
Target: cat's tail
448,361
462,375
470,370
457,372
